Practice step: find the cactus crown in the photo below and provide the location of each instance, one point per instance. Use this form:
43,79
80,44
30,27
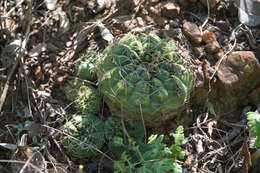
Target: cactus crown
142,76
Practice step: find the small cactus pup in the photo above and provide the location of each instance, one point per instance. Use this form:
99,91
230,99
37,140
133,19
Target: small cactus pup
86,136
87,98
142,77
86,68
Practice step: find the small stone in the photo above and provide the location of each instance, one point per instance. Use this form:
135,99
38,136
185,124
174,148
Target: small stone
212,3
91,4
212,48
69,43
38,72
47,66
208,37
239,67
37,50
174,24
219,54
192,31
140,22
161,21
170,9
199,51
155,10
61,80
148,19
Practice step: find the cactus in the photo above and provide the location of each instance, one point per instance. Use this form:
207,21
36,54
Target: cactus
114,135
113,127
142,77
86,136
86,69
87,98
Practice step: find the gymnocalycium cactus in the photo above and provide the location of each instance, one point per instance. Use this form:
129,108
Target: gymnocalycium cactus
142,76
86,68
114,135
88,136
87,98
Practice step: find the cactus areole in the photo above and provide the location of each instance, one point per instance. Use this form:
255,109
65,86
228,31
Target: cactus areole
142,77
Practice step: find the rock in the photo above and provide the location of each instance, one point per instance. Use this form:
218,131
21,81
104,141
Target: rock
38,74
148,20
208,37
199,51
192,31
61,80
238,78
129,24
155,10
212,48
69,43
174,24
140,22
219,55
212,3
161,21
238,67
170,9
90,4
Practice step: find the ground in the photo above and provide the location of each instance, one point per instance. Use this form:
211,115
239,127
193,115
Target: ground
40,46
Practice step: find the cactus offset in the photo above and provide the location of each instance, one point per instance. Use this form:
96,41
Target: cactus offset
88,136
141,76
86,68
87,98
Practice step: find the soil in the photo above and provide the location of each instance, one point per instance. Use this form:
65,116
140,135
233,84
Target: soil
39,48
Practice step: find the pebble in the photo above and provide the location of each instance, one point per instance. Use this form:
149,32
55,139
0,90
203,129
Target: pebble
156,10
161,21
219,54
38,72
170,9
199,50
239,68
192,31
212,48
208,37
69,43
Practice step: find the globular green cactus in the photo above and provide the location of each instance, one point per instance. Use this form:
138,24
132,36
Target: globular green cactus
86,68
86,136
71,89
143,77
87,98
113,127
